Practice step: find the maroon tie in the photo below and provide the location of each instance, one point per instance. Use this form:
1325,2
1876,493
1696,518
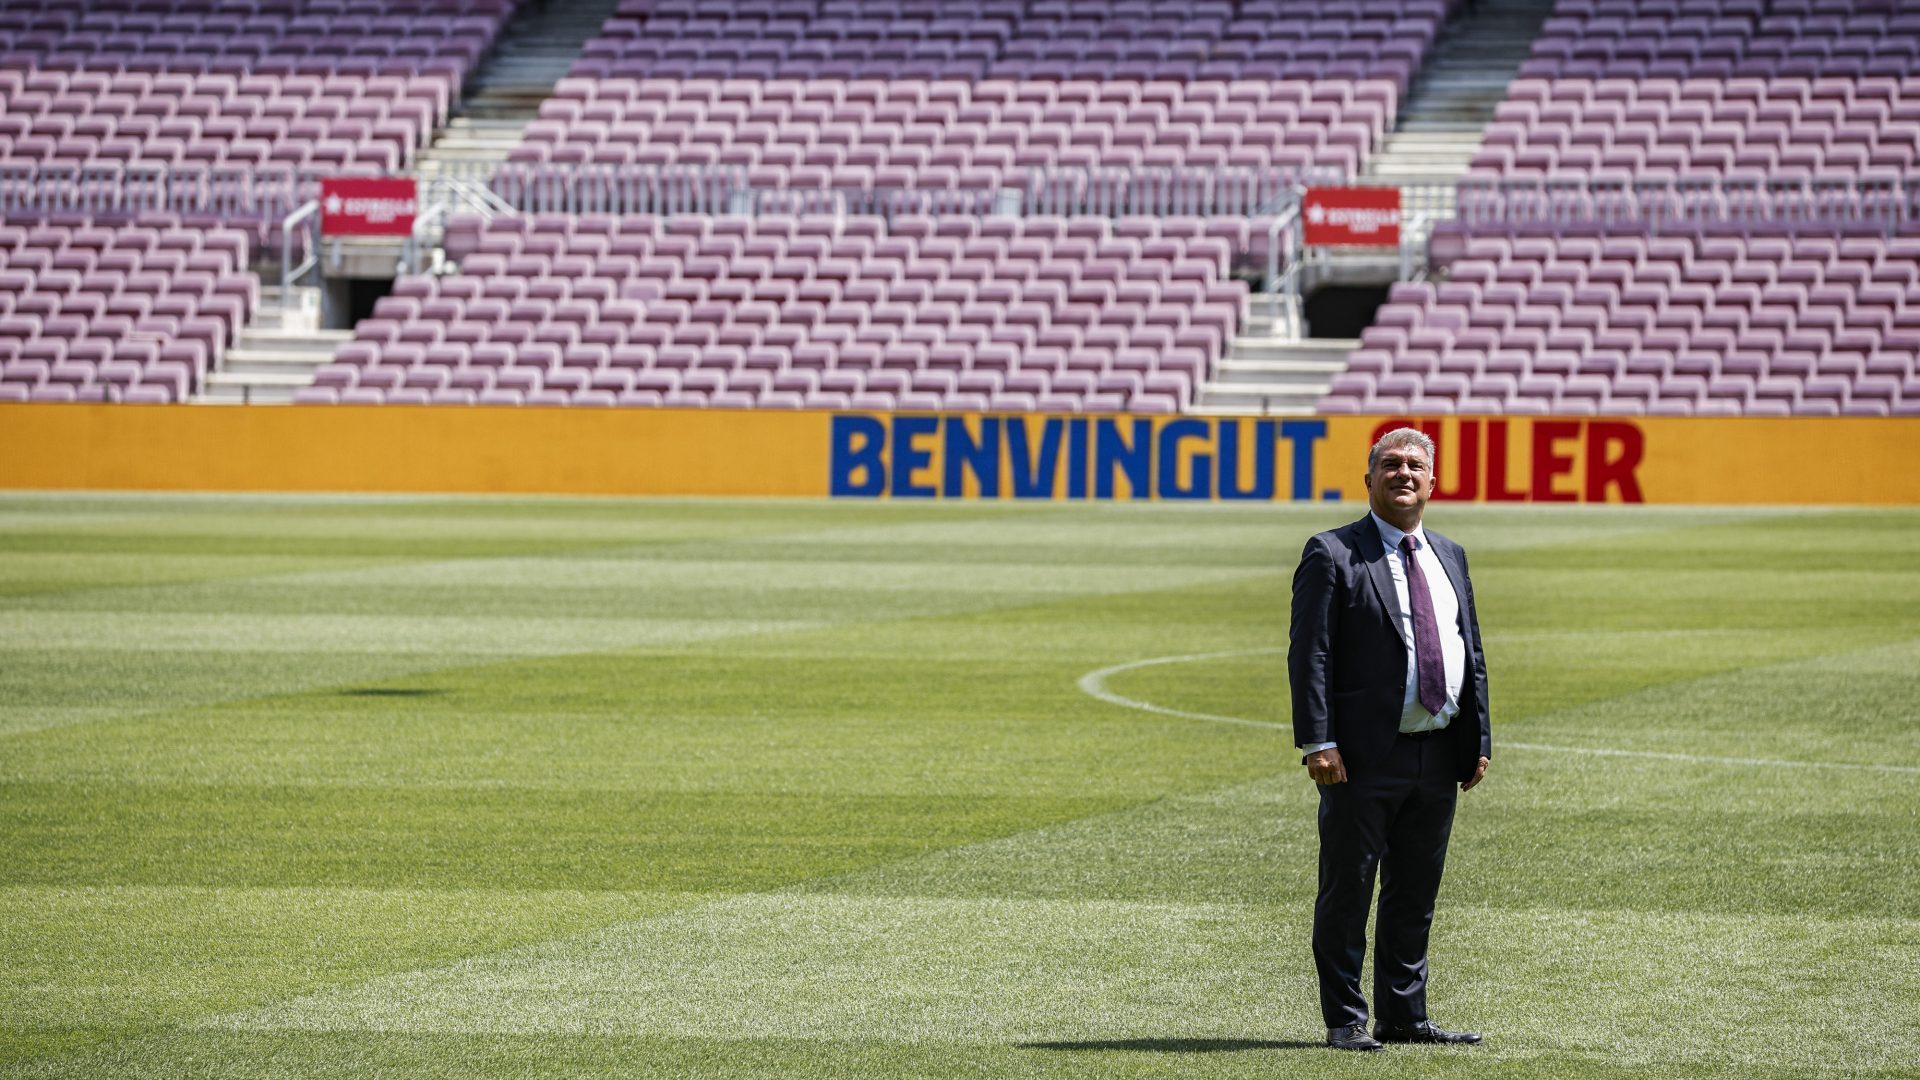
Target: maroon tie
1426,635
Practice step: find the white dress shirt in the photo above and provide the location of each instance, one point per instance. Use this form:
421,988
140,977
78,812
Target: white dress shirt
1414,716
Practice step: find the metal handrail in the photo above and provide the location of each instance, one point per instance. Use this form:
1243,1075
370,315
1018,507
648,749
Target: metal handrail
417,240
289,274
1284,288
246,192
1413,239
483,199
123,188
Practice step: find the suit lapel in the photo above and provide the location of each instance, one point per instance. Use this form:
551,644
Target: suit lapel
1374,552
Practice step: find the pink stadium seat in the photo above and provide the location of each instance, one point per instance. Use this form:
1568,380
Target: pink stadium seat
907,311
1647,339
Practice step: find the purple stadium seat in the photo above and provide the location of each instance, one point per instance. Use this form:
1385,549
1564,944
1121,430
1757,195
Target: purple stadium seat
1701,323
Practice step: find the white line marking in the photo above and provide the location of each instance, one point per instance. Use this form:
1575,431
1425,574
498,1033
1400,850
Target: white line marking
1708,759
1094,684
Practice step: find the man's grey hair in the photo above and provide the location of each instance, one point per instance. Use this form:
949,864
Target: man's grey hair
1404,436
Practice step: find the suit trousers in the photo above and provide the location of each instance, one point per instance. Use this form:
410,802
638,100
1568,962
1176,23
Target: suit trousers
1393,817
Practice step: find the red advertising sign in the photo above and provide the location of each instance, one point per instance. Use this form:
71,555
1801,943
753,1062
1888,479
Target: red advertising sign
1354,217
367,207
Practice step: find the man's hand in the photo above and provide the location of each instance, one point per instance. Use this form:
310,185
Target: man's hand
1479,772
1326,767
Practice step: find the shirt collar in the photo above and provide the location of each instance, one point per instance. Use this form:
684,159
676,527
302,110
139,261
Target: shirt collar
1390,535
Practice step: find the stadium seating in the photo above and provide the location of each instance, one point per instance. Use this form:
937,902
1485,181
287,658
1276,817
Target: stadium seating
347,86
1727,39
980,40
1655,88
135,313
1687,324
906,133
1055,314
1646,129
220,100
1562,313
1617,307
979,94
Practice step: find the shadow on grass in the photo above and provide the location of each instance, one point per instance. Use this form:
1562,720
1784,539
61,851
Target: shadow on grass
1177,1046
391,691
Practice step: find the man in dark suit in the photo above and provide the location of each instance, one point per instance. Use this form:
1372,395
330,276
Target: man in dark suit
1390,713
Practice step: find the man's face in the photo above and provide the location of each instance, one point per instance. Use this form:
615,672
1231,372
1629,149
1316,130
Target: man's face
1401,482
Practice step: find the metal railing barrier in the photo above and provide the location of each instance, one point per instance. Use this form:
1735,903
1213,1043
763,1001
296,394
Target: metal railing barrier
305,219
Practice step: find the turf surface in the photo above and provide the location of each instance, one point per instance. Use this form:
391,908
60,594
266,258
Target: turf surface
334,787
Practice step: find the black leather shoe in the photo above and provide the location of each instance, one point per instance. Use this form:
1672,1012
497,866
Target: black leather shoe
1352,1037
1423,1032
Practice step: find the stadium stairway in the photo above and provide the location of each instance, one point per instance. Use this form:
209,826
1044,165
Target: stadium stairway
1434,139
1268,374
535,51
1453,97
275,354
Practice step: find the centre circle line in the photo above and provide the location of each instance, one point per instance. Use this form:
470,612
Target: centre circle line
1094,684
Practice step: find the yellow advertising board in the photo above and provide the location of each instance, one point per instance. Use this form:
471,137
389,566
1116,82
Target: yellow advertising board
921,456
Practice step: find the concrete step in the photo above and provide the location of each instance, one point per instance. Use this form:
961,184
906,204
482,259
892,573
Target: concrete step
524,108
1306,353
1442,162
456,146
527,69
519,113
1253,402
512,77
1419,164
309,346
1238,375
1432,142
296,311
528,91
480,125
484,138
244,395
267,369
254,387
1443,123
452,157
1419,172
1457,96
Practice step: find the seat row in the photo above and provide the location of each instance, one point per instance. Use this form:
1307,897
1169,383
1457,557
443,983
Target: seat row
118,313
1674,325
1814,126
1751,9
774,236
722,96
896,320
947,93
1031,35
64,15
923,133
275,87
1727,41
1084,10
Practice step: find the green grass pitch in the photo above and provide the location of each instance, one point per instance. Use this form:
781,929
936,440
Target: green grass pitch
310,787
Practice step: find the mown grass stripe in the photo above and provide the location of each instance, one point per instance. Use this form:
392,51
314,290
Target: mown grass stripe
898,817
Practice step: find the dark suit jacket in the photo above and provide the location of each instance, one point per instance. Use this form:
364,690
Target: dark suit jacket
1347,661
